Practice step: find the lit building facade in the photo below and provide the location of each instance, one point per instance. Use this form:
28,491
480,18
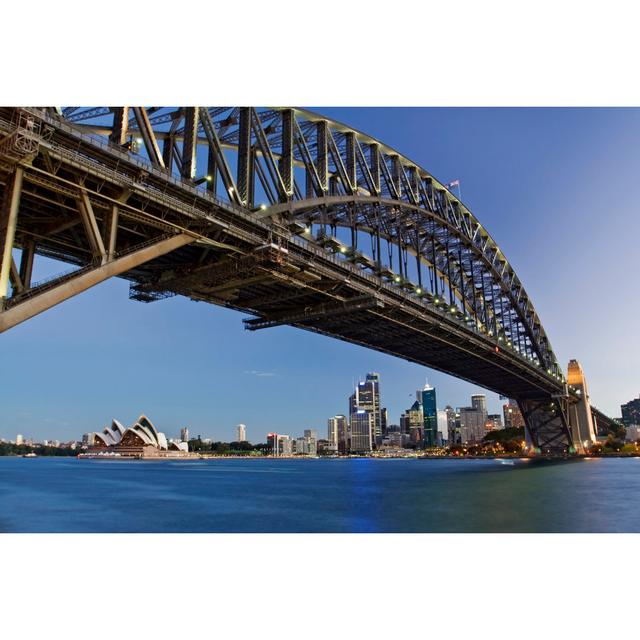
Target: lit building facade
366,397
412,423
429,416
512,415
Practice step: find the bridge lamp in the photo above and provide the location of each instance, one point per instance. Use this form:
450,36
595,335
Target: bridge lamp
203,179
139,140
264,206
230,189
509,343
418,290
343,249
453,309
397,278
499,338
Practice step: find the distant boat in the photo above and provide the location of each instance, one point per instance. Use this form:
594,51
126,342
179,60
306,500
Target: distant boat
29,455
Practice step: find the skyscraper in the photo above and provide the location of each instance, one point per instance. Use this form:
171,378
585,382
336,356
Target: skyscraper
412,423
241,433
19,439
367,398
453,425
184,434
429,416
384,421
442,434
337,431
472,421
361,427
479,403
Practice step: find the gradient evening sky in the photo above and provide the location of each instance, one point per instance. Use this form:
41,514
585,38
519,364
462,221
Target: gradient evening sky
558,190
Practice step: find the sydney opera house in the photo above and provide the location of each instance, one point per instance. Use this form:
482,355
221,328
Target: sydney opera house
142,439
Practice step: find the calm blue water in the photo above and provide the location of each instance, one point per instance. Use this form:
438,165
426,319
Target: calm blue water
357,495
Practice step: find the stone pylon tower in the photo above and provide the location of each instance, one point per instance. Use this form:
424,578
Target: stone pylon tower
580,418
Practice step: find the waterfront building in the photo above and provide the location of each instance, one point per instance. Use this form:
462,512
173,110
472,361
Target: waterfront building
338,433
442,436
472,421
453,425
366,397
241,433
494,422
306,445
184,434
479,403
142,439
279,445
512,415
362,431
429,415
88,439
19,439
412,423
631,412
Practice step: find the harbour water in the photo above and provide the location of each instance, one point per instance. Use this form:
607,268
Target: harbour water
323,495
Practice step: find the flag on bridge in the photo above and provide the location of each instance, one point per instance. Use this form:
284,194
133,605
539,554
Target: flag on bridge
455,183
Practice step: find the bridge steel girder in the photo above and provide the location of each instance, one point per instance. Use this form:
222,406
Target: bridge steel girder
190,144
87,278
359,183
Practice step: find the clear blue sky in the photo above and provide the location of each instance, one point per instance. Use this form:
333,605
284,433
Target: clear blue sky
557,188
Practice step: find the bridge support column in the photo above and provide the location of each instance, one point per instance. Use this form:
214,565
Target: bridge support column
580,417
76,284
8,225
546,426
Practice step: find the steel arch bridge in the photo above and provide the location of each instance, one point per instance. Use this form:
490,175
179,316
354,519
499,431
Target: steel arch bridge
283,214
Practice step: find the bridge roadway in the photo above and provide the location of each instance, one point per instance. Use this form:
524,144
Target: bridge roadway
76,197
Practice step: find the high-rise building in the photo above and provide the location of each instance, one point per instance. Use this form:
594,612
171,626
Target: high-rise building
512,415
361,428
479,403
19,439
472,421
631,412
337,432
384,421
429,415
442,434
367,398
453,425
241,433
412,423
184,434
494,422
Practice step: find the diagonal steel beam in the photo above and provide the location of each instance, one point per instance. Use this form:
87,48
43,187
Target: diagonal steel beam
86,279
148,136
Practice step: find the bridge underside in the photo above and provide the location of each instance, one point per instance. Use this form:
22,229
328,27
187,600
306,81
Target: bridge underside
108,215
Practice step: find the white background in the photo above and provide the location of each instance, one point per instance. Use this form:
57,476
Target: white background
318,586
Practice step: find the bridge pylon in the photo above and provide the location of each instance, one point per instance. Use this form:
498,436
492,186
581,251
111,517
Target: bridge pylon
579,411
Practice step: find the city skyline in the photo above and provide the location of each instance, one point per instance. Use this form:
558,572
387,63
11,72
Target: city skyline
76,380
